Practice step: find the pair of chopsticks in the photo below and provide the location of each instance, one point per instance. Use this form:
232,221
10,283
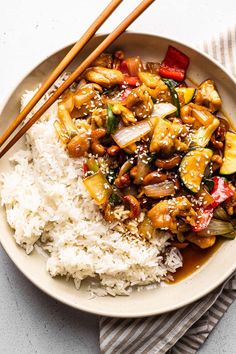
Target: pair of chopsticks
78,71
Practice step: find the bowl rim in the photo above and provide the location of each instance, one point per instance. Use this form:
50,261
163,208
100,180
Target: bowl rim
87,309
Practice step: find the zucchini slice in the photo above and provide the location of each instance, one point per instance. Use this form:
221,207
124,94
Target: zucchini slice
188,93
229,161
193,166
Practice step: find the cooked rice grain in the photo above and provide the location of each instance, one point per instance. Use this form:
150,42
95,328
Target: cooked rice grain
46,201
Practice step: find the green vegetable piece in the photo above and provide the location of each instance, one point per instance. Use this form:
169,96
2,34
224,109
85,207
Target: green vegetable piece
193,166
188,93
172,84
202,136
114,199
229,161
209,183
112,120
98,187
153,99
152,157
111,176
92,165
160,135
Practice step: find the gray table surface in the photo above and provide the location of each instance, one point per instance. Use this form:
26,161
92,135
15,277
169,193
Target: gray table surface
30,321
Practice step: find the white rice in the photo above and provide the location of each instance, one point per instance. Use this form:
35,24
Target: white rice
46,202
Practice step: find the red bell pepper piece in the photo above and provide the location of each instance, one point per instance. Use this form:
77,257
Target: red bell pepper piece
172,73
128,80
131,80
220,192
85,168
123,68
174,65
204,217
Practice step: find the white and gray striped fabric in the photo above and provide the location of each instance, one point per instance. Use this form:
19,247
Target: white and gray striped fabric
223,49
185,330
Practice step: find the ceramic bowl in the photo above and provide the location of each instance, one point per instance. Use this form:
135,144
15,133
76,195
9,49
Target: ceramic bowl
139,303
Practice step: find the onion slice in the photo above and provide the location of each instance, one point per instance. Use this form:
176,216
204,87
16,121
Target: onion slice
142,170
128,135
203,116
217,228
134,65
161,110
220,213
159,190
127,165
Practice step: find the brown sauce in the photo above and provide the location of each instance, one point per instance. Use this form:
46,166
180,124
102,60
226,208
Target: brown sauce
193,258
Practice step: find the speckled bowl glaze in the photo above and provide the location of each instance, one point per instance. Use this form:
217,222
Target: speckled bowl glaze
139,303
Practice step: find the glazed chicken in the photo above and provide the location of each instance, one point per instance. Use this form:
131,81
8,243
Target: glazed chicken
155,145
165,214
207,95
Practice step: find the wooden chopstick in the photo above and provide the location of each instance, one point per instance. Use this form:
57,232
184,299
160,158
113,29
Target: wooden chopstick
78,71
60,68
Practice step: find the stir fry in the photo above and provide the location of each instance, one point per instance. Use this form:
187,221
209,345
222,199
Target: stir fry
155,144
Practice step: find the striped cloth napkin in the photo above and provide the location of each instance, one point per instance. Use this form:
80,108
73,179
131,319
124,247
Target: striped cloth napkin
185,330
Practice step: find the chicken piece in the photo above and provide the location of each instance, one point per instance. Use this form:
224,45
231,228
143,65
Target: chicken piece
140,102
202,242
85,99
163,137
179,129
104,76
80,103
85,94
82,96
99,118
79,145
186,115
149,79
167,137
207,95
161,92
105,60
181,146
156,88
165,213
126,115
